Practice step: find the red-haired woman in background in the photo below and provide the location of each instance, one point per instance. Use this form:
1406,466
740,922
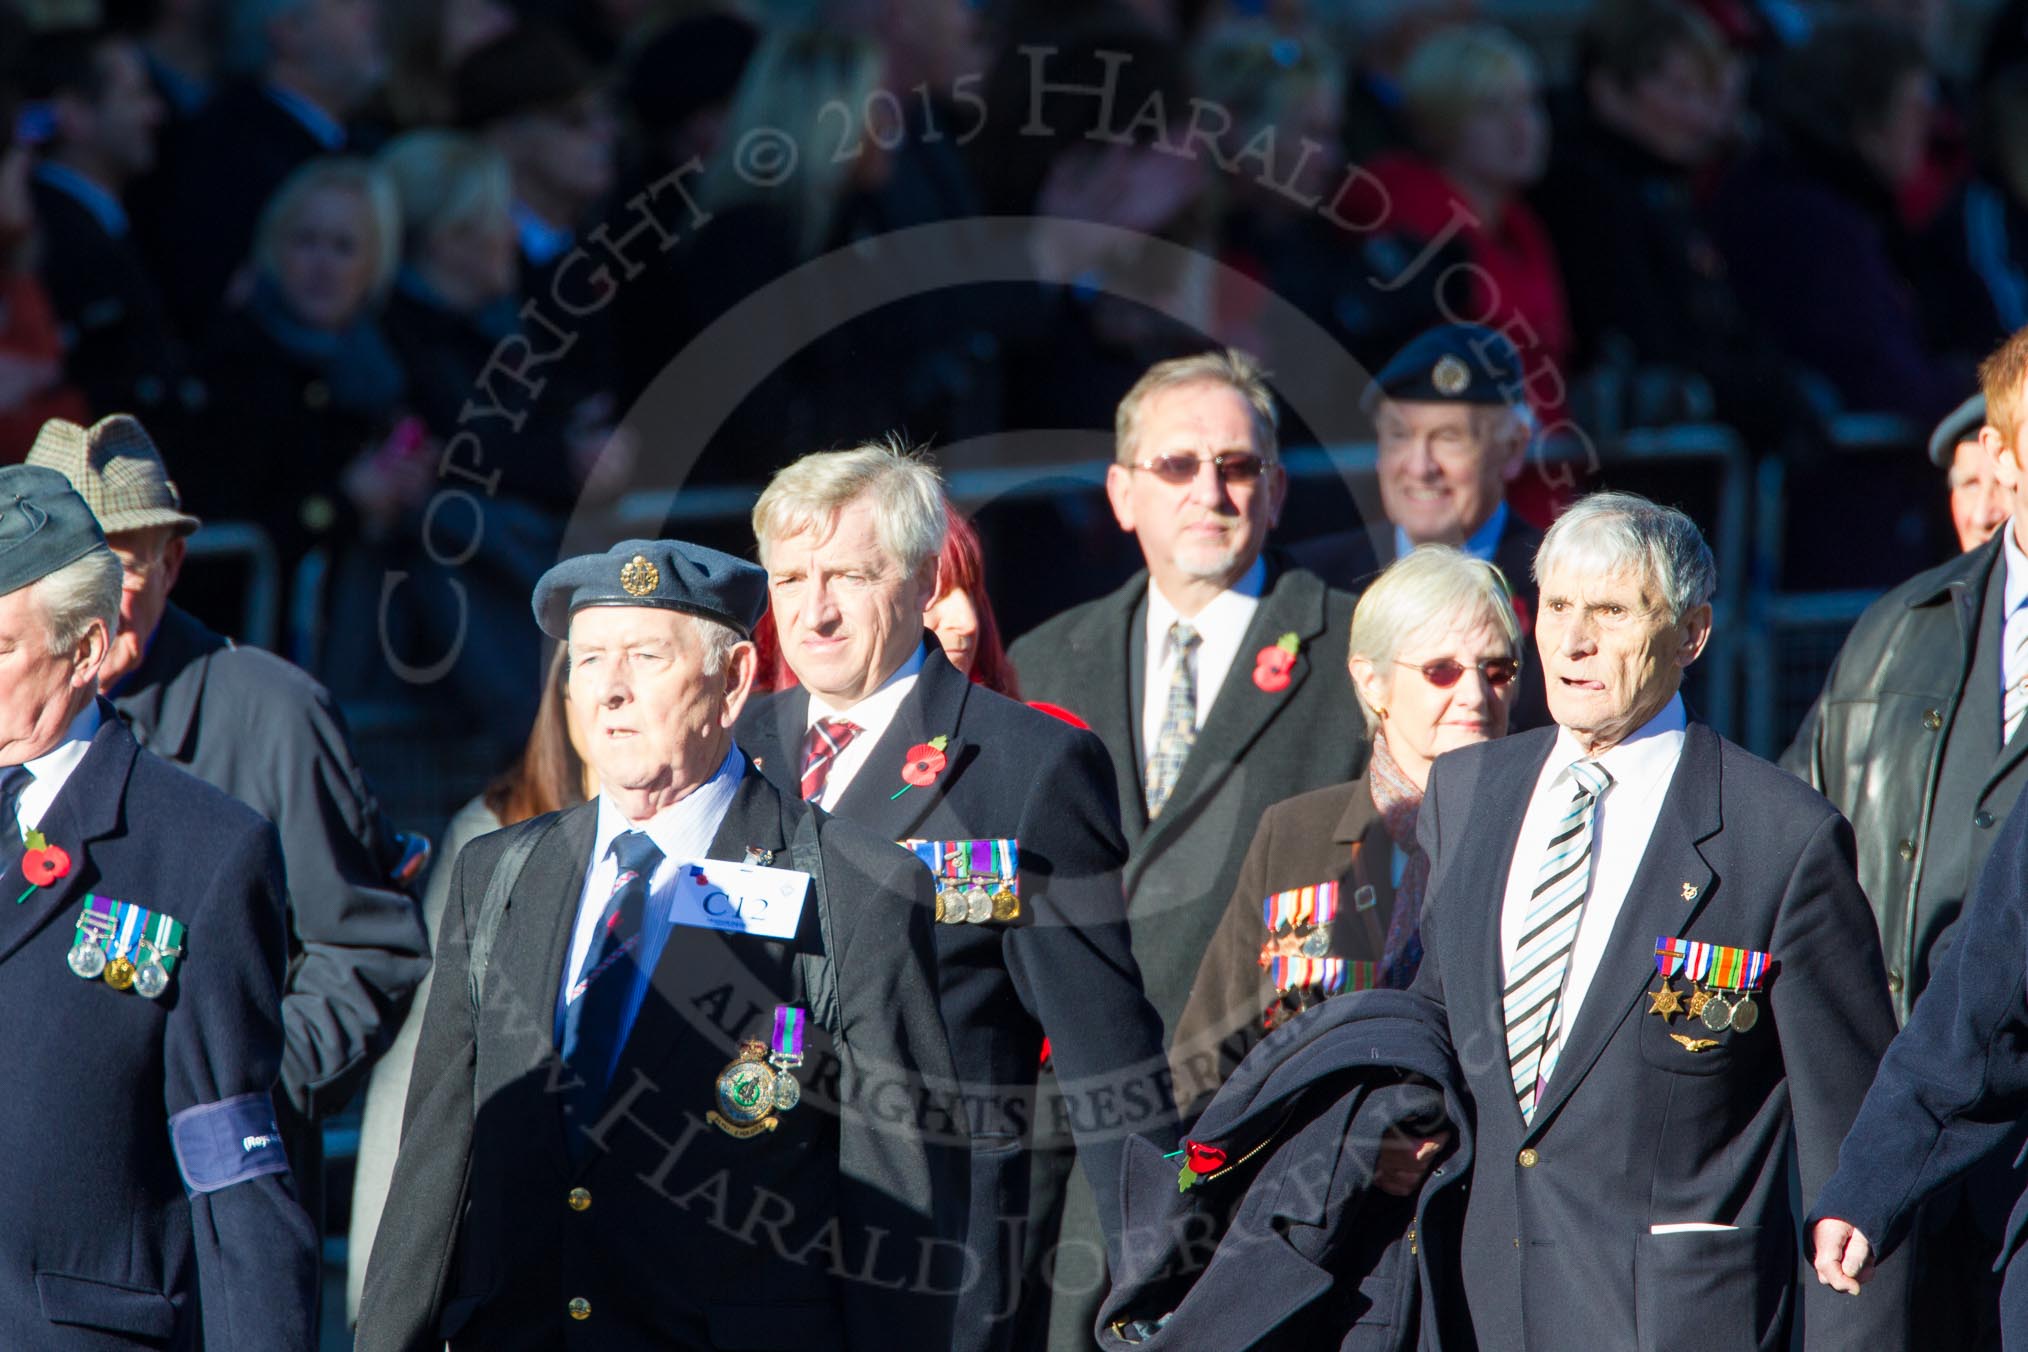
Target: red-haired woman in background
961,617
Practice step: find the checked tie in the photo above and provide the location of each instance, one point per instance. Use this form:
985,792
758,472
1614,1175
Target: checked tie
594,1014
1179,720
1533,1002
827,741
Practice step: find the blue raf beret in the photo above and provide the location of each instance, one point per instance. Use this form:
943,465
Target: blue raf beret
1455,364
665,574
44,525
1960,424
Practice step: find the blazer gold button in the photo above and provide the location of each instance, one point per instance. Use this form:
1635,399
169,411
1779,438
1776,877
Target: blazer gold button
1527,1158
1894,982
580,1308
580,1198
1906,849
1932,720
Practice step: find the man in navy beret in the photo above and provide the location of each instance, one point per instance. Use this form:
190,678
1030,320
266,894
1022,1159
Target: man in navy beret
148,1200
1451,419
682,1081
1980,503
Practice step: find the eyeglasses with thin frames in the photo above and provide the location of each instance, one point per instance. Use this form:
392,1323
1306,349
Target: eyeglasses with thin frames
1498,671
1232,467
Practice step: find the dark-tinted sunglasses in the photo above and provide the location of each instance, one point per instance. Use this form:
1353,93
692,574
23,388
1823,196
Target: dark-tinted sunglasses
1443,675
1233,467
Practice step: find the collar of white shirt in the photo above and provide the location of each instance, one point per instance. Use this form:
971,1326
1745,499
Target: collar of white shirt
53,768
1635,763
871,716
1221,626
684,829
2015,584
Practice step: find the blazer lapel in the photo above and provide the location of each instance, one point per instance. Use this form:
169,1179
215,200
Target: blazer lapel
88,808
1294,603
1670,888
527,965
934,708
773,740
1510,771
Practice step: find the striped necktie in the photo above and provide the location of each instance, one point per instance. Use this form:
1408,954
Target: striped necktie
827,741
595,1008
1534,996
1179,720
2014,671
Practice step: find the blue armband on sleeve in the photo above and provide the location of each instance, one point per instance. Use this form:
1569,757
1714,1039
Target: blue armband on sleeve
227,1142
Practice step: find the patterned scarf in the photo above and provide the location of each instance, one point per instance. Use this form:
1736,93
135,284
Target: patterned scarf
1399,800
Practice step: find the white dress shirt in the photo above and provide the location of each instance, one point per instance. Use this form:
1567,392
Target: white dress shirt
2014,629
1483,544
1641,767
54,766
1220,626
871,716
683,831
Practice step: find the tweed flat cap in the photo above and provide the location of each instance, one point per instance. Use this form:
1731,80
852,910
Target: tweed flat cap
1960,424
114,466
44,525
1455,364
666,574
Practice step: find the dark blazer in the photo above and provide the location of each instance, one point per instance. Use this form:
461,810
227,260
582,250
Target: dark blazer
1349,560
105,1246
1874,745
1954,1086
807,1237
1308,1253
1326,835
1255,749
1633,1129
119,347
247,722
1064,971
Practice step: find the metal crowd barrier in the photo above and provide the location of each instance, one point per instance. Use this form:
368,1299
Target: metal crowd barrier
247,544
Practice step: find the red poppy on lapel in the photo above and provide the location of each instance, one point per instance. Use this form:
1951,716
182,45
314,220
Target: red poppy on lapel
1273,664
926,760
42,865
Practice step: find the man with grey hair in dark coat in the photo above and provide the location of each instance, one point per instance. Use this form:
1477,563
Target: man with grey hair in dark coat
1661,980
247,722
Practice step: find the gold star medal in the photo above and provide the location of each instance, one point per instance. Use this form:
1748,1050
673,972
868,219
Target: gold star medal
1667,1002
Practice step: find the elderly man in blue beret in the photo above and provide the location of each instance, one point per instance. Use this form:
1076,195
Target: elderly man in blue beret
682,1082
148,1200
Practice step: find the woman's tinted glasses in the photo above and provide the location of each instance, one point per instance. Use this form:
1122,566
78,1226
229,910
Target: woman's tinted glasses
1443,675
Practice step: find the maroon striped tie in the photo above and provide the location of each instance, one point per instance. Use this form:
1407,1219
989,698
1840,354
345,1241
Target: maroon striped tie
828,737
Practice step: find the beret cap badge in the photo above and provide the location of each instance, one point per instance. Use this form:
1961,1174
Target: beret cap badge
1450,376
639,576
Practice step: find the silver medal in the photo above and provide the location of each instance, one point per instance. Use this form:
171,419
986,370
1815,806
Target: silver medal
787,1092
1317,943
978,906
1717,1014
151,980
1745,1015
87,959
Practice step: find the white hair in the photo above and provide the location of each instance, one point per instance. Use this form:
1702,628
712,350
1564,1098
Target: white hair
1607,533
1430,587
908,499
717,639
83,590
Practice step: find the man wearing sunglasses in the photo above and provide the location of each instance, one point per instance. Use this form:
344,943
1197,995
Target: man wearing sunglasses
1214,676
1452,429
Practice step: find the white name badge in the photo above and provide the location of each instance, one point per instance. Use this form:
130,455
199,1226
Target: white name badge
740,898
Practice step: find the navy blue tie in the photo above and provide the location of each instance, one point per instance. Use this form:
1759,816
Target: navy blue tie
594,1017
13,780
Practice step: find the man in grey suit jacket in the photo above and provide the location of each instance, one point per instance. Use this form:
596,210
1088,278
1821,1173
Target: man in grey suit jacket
1661,979
1213,678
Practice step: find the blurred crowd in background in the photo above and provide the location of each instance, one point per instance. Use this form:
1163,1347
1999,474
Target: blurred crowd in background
413,287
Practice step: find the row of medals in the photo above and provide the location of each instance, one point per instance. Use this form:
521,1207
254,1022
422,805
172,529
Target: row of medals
975,906
150,979
1716,1012
755,1086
